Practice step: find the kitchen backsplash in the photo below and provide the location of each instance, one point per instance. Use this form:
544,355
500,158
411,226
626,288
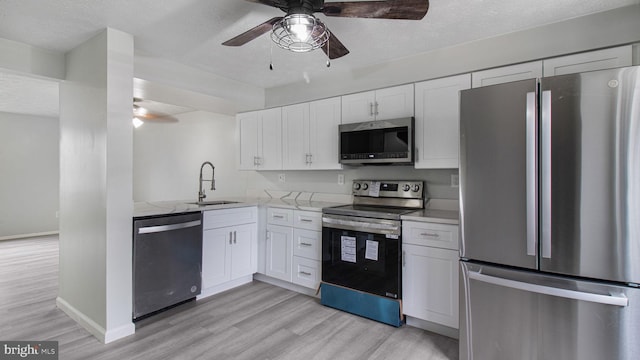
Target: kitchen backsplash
326,181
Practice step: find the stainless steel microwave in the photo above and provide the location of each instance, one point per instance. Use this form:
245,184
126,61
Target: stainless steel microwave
381,142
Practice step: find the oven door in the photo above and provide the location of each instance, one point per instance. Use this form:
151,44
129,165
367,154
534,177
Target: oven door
362,254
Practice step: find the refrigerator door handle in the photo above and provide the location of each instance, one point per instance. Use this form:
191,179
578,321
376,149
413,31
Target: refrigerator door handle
546,174
531,171
552,291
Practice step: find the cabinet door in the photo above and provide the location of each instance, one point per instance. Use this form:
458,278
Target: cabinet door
310,220
530,70
437,121
279,251
306,272
358,107
307,244
589,61
324,119
278,216
244,257
444,236
394,102
430,284
216,259
295,128
270,139
247,124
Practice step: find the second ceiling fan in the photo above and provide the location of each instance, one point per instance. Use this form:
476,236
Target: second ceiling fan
300,31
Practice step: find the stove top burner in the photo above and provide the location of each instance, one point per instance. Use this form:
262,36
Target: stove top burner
377,212
382,199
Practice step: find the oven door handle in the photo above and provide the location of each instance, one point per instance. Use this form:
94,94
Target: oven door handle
385,228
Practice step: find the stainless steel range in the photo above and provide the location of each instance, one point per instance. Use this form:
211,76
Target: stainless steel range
362,248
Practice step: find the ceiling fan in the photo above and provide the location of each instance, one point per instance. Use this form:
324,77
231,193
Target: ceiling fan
300,31
143,110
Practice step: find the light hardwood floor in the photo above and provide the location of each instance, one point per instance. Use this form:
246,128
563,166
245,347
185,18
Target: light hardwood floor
255,321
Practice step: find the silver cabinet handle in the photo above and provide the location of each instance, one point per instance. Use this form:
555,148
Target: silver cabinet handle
230,236
546,174
376,113
306,220
552,291
435,235
161,228
531,177
305,244
304,273
235,237
371,109
278,216
404,257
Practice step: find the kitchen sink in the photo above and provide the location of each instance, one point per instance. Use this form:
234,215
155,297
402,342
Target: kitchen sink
213,202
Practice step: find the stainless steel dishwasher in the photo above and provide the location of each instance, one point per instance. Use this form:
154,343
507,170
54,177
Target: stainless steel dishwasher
167,261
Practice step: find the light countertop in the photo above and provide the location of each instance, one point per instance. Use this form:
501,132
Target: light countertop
443,212
181,206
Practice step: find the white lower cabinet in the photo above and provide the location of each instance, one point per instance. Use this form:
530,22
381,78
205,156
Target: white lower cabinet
306,272
293,251
279,244
229,246
430,274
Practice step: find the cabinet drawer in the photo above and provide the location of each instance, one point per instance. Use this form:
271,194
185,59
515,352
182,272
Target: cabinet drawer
277,216
430,234
310,220
229,217
307,243
306,272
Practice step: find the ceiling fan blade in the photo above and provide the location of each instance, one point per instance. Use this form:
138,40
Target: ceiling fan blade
391,9
334,48
251,34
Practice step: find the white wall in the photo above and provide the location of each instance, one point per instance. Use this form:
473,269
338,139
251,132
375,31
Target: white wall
30,170
95,284
167,158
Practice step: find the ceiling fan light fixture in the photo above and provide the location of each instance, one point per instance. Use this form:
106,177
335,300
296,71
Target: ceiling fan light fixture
137,122
300,33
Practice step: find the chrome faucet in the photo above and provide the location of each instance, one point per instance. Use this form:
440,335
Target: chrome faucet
201,194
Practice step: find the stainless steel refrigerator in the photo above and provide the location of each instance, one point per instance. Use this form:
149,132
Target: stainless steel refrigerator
550,218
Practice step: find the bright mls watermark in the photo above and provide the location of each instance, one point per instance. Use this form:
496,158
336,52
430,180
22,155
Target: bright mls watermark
30,350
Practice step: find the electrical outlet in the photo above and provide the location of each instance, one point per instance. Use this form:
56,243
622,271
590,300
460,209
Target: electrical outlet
455,180
340,179
281,178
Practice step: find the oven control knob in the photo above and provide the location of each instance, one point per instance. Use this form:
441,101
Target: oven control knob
406,187
356,186
365,186
415,187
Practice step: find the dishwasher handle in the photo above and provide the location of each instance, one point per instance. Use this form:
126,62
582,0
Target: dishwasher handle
169,227
552,291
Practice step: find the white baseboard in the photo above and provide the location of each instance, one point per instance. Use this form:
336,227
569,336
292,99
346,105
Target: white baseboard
224,287
285,284
24,236
103,335
433,327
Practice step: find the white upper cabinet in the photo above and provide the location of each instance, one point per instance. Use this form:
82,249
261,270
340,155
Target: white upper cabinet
589,61
388,103
530,70
437,121
311,135
324,119
260,139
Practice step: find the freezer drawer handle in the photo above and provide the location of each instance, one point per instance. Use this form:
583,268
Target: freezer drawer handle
161,228
547,290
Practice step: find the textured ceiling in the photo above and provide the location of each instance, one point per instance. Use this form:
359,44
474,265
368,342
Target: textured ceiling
191,31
